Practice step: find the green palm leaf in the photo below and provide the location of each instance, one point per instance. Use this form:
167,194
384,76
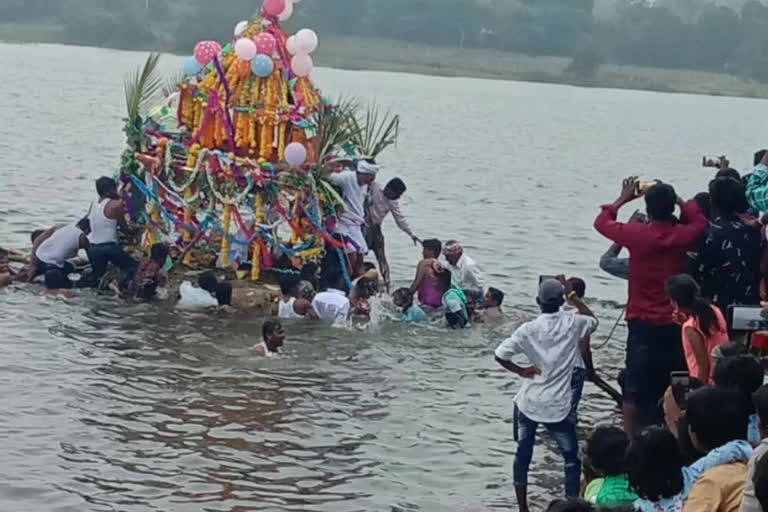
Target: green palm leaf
142,87
375,132
332,121
171,84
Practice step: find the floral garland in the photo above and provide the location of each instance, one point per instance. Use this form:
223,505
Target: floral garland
226,200
195,170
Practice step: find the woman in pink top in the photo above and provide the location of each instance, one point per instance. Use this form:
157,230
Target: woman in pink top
704,326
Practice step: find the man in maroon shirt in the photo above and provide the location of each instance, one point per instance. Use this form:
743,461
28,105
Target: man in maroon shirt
658,250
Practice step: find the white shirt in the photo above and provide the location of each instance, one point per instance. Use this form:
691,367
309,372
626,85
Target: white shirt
354,196
466,274
195,298
62,245
331,305
551,344
285,309
381,206
103,229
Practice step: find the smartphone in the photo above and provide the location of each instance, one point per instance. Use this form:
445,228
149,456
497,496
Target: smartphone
681,386
644,186
544,278
707,161
748,318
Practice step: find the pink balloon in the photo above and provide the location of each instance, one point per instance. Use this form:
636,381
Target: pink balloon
295,154
206,51
265,43
302,65
273,8
245,48
287,12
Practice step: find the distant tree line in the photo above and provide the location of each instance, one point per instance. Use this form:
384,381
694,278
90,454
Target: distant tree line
686,34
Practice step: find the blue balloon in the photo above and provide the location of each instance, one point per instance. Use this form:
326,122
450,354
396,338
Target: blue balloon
262,66
192,67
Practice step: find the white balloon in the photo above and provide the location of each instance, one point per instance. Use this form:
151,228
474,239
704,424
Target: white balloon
307,39
287,12
296,1
240,28
292,45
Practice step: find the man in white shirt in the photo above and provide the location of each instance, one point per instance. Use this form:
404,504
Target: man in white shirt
466,273
550,342
354,188
382,202
332,304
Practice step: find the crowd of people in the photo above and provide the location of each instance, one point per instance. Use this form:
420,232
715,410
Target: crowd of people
694,407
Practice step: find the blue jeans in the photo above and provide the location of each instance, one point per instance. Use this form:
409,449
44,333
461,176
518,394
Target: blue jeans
564,434
103,254
577,387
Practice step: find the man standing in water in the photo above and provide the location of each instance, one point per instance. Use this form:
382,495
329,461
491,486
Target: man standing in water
105,215
658,250
354,188
466,273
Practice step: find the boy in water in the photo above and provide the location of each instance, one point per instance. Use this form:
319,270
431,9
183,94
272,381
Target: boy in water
150,274
412,313
202,297
425,283
492,301
273,337
360,297
454,301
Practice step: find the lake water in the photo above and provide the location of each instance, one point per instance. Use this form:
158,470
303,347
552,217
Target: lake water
137,408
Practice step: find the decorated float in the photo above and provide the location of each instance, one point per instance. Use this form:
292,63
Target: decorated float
229,168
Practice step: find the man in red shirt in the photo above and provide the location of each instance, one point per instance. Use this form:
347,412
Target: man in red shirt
658,250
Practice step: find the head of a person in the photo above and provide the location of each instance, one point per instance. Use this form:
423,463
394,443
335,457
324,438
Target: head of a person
4,261
84,225
224,293
760,481
654,465
727,195
452,251
431,248
744,373
366,172
57,280
578,286
760,402
606,448
551,296
730,349
106,187
289,285
159,253
444,279
660,202
273,335
759,156
684,293
310,271
366,287
493,298
728,173
207,281
402,298
702,200
571,505
36,233
716,416
394,189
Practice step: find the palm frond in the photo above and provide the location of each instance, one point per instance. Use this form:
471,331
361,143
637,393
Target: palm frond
375,132
332,122
171,84
142,87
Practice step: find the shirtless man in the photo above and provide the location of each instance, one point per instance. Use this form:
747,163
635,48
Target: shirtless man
425,283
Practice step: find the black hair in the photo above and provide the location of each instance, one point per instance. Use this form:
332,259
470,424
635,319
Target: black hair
289,284
571,505
3,254
660,202
224,293
497,295
434,245
743,372
444,278
367,265
579,286
654,465
269,328
727,195
760,481
105,186
729,423
159,253
403,295
728,173
283,262
36,233
760,402
703,201
606,448
733,348
207,281
84,225
688,450
397,187
684,290
367,285
56,279
759,156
